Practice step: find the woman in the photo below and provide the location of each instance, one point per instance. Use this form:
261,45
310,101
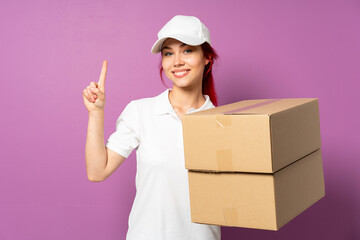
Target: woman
152,126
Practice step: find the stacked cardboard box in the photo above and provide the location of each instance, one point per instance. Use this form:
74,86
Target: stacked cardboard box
254,163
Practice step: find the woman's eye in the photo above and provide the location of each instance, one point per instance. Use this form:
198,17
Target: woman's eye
167,54
188,51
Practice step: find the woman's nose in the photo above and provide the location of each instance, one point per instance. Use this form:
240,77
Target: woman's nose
178,61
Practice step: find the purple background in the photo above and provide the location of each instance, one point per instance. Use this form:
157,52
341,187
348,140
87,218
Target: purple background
51,50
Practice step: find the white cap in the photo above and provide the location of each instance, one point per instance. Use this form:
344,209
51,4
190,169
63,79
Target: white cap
187,29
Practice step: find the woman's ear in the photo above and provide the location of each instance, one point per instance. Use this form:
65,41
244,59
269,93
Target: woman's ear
207,60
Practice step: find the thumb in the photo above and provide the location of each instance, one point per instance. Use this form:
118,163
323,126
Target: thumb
101,83
99,94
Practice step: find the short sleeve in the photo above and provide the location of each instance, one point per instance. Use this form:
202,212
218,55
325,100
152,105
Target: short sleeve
126,138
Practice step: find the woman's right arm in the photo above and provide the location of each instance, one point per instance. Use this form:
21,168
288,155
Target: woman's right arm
101,162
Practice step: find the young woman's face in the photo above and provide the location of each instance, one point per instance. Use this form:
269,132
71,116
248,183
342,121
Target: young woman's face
183,64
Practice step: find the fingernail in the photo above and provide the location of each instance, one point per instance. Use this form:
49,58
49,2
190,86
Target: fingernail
92,88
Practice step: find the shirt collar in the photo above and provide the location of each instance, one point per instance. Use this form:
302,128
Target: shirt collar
163,105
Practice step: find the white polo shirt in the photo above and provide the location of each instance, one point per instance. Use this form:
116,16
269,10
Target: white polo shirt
161,208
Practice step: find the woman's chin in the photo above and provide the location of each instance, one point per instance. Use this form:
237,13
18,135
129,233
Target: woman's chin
185,83
182,84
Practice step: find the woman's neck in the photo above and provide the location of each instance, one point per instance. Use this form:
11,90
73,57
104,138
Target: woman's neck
182,100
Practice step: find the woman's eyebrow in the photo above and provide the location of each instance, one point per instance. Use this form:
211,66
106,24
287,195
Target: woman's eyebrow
181,46
165,48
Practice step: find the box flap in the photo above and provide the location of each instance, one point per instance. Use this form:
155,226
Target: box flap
257,106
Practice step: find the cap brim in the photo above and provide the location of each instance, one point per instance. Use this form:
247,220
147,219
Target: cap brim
182,38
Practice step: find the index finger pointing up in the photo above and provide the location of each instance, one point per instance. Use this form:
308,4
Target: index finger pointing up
101,83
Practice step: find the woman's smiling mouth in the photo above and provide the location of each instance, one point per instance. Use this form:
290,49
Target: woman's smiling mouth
181,73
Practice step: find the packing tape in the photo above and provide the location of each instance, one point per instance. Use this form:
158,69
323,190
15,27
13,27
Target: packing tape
223,121
231,216
224,159
252,106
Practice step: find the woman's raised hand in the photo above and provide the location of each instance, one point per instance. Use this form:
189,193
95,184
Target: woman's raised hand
94,94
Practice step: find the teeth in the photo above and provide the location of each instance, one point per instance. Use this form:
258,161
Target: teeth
180,73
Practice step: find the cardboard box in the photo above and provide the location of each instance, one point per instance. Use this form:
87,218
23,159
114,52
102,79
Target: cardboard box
251,136
256,200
